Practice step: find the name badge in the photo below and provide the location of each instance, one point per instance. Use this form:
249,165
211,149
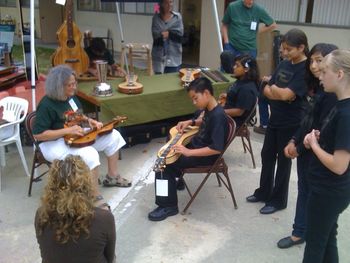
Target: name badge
73,105
253,25
161,187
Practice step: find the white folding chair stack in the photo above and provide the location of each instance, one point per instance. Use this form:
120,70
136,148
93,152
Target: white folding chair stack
14,112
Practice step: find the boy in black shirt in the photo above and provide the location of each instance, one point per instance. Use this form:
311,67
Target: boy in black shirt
203,149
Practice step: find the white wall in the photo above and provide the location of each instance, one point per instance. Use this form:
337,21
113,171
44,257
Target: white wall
14,13
337,36
136,28
209,55
209,51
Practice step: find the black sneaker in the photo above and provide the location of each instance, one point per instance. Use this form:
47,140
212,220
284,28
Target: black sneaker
288,242
161,213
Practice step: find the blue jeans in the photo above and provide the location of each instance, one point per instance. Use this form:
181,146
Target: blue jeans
299,225
169,70
236,52
263,111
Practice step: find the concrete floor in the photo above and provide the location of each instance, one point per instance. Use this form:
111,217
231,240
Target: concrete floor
211,231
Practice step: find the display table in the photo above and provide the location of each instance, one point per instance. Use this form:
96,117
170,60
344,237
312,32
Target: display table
163,97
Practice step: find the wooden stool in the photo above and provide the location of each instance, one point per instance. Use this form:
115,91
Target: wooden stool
137,51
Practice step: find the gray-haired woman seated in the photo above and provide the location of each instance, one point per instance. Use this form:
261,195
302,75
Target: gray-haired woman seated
58,107
69,228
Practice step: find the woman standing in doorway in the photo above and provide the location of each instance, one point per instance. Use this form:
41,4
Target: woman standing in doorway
167,32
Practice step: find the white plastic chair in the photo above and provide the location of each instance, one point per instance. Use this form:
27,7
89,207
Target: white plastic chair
14,112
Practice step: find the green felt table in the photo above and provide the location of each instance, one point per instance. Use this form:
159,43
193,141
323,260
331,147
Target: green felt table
163,97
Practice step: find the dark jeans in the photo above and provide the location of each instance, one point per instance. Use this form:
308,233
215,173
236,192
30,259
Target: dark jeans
274,187
263,111
321,227
299,225
236,52
169,70
174,170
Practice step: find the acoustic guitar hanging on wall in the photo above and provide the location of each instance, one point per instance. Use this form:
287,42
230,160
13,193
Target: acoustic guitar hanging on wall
70,51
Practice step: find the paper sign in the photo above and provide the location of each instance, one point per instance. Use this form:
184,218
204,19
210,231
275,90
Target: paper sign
61,2
73,105
161,187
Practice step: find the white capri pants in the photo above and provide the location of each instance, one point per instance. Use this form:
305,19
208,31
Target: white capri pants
108,143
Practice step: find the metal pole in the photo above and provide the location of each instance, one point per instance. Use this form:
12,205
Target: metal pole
216,16
32,53
122,37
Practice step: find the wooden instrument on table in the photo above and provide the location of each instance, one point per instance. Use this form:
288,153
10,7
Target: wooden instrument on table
9,75
70,51
188,74
130,86
166,155
90,135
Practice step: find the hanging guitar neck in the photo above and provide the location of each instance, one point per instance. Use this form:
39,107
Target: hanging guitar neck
70,51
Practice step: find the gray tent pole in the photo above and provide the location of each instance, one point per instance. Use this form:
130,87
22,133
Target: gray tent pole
217,24
32,53
122,36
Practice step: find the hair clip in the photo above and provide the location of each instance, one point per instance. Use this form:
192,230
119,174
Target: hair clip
246,64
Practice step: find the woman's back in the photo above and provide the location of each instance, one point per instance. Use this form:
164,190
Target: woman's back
97,247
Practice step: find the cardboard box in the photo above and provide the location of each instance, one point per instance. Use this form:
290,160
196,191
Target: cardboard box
265,57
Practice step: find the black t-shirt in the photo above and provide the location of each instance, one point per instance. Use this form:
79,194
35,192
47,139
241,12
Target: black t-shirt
241,95
319,107
50,114
334,136
288,113
213,130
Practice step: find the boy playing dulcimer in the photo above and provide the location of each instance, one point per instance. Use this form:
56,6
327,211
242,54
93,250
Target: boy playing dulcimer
203,149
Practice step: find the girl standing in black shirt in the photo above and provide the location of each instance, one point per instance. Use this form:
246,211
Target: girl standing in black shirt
286,92
320,104
329,172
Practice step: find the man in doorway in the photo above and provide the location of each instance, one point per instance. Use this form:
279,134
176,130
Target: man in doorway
240,26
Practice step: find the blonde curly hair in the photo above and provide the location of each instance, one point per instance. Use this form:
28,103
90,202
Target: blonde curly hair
67,205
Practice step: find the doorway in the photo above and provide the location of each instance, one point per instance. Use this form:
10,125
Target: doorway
191,15
51,18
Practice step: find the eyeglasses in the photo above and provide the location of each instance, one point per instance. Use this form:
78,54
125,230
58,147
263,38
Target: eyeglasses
72,84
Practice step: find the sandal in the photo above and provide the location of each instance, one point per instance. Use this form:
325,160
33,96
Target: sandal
116,181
